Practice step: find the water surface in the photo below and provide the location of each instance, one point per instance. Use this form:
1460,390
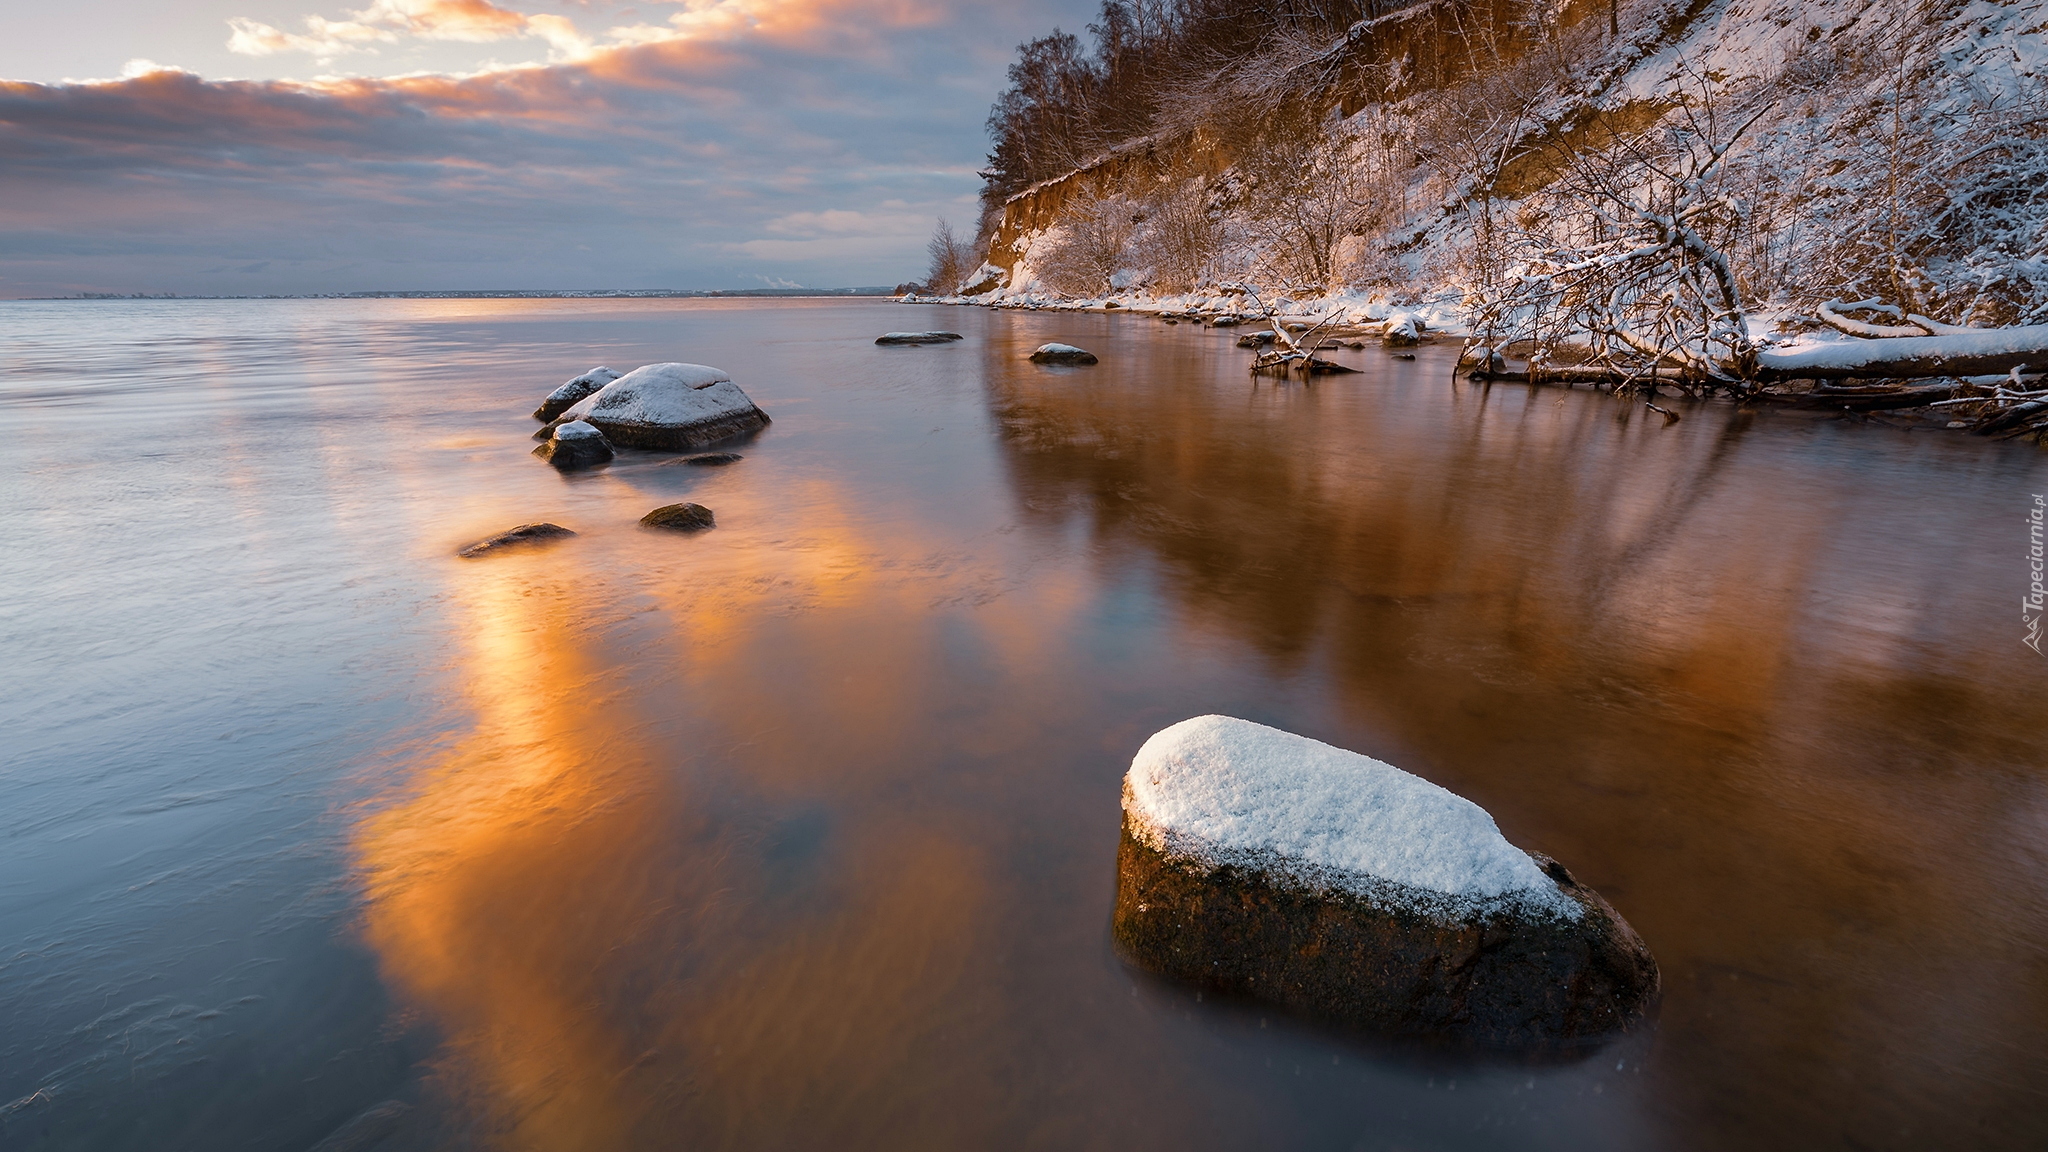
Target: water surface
800,833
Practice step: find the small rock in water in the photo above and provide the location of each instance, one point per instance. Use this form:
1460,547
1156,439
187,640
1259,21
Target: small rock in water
575,445
680,518
917,338
1225,322
1266,864
1062,354
1256,339
707,459
515,537
1404,355
561,398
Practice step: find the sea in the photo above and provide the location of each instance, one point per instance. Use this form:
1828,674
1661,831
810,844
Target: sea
800,833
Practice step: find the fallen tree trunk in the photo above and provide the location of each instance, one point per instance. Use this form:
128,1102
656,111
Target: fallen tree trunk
1875,401
1577,374
1990,352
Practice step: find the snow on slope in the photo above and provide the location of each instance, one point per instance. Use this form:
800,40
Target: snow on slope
1894,132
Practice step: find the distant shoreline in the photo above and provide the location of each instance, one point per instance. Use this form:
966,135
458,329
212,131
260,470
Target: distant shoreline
504,294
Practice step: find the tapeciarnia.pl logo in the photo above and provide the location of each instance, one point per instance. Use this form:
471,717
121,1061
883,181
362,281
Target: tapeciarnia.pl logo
2031,606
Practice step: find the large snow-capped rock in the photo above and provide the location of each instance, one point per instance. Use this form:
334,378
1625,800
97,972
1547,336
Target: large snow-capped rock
561,398
1268,864
673,406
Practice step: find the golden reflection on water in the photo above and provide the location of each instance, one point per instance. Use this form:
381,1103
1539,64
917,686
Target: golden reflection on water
729,860
1785,750
615,951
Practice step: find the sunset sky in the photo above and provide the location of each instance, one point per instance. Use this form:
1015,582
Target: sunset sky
280,146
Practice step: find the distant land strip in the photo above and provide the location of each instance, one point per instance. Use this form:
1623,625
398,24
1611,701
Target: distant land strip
495,294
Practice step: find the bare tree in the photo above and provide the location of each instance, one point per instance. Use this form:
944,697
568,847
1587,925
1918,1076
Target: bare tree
1092,244
953,258
1627,252
1180,237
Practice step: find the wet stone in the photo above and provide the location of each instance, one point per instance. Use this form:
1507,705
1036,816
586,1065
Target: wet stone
574,446
523,536
684,517
1062,354
917,338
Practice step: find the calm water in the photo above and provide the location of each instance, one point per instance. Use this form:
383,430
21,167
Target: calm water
800,833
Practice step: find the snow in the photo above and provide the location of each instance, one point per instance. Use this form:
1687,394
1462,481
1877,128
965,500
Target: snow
1059,350
669,395
1218,791
1850,353
576,430
583,385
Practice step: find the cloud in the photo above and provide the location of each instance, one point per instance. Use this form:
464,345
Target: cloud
814,146
385,21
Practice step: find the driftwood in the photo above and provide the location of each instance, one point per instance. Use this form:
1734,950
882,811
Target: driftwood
1876,400
1291,352
1956,352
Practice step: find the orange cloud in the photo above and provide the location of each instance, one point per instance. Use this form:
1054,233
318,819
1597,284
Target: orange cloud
385,21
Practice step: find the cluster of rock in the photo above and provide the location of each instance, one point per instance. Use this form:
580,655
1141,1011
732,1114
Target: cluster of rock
673,407
1269,865
659,406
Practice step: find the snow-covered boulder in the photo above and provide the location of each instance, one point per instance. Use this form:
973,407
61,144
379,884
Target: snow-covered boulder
1404,329
917,337
561,398
525,534
575,445
1267,864
672,406
1062,354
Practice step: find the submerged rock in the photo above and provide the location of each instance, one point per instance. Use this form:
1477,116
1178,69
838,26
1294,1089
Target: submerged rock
680,518
575,445
671,406
1062,354
561,398
707,459
366,1130
917,338
1266,864
515,537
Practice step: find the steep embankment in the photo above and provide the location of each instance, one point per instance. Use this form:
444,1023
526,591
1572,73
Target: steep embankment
1888,158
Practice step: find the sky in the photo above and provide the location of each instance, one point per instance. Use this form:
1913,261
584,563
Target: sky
245,147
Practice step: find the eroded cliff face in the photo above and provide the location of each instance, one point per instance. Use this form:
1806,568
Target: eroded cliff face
1875,148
